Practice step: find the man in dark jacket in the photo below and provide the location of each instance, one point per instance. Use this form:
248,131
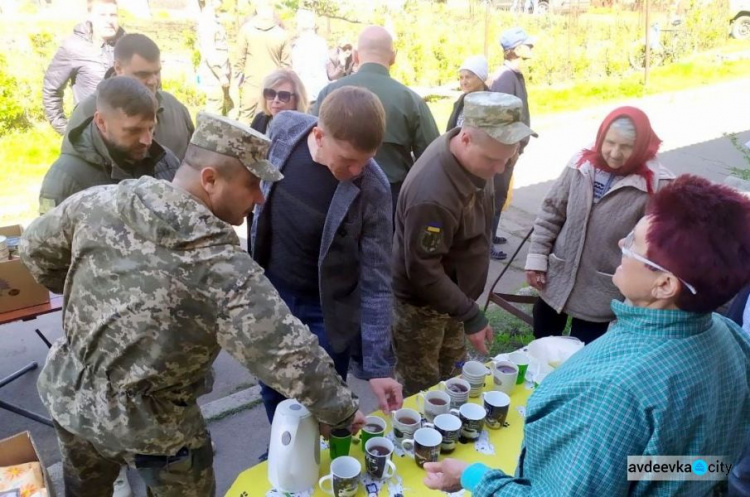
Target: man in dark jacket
326,248
409,125
516,45
136,55
442,240
113,145
83,59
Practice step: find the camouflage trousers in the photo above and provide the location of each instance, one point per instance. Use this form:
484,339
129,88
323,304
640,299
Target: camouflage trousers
429,346
88,472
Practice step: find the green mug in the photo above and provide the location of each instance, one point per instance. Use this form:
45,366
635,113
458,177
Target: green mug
373,427
339,442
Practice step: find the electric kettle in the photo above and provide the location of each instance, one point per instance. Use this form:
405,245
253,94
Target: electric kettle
294,449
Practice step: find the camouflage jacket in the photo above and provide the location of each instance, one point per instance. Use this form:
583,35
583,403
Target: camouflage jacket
154,285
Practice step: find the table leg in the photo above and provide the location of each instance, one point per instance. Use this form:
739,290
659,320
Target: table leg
44,338
19,410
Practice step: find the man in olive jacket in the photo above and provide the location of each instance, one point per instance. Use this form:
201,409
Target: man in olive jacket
82,60
409,125
115,144
442,241
136,55
262,47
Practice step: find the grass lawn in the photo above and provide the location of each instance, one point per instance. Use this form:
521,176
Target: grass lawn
25,157
510,332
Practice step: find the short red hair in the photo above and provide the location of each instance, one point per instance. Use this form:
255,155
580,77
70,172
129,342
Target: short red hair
701,232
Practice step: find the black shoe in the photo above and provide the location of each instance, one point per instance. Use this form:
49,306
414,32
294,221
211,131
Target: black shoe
498,255
499,240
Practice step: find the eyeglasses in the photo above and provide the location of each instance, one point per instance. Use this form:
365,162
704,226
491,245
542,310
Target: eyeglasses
284,96
627,252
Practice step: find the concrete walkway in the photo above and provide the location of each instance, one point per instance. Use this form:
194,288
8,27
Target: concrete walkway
691,123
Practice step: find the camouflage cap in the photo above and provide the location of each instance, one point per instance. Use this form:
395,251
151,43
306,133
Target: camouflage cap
234,139
498,115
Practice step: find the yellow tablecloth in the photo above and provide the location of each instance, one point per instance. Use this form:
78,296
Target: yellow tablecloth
254,482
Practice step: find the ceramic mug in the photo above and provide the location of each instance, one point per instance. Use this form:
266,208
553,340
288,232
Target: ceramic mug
521,360
458,390
339,442
374,427
343,479
504,376
405,422
449,427
475,373
424,447
378,452
472,420
433,403
496,404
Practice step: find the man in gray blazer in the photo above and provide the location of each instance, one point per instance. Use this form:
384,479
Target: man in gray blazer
324,233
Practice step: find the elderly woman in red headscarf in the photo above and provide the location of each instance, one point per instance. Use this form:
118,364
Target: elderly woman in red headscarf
597,200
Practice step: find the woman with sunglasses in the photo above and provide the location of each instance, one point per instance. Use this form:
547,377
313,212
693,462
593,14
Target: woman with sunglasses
596,201
282,90
669,378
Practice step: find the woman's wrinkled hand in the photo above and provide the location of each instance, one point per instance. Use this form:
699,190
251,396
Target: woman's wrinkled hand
536,279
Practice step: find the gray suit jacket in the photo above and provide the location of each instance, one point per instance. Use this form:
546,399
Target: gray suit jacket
355,252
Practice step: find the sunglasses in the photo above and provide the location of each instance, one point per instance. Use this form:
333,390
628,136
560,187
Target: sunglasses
284,96
627,252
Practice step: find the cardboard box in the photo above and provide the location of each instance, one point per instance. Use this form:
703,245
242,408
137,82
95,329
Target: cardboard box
20,449
18,289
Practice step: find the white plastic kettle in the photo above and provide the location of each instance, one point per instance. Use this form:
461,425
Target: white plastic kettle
294,449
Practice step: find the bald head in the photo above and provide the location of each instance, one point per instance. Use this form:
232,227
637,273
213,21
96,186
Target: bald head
375,45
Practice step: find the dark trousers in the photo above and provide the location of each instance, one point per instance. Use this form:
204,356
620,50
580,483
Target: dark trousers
547,322
395,190
502,186
309,311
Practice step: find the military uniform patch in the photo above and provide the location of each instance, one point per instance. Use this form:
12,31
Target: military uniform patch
46,204
430,239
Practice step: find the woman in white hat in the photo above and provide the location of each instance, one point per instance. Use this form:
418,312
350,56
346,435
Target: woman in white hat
472,76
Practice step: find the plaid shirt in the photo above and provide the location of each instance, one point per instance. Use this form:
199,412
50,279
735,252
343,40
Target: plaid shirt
660,382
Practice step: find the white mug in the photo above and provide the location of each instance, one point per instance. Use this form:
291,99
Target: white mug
424,447
502,381
458,390
403,430
344,477
433,403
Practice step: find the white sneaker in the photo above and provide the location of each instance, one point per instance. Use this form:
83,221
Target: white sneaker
122,485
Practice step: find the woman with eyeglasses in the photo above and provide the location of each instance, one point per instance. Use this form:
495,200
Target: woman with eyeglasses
282,90
669,378
597,200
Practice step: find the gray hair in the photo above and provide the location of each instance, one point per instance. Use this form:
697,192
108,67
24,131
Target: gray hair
625,127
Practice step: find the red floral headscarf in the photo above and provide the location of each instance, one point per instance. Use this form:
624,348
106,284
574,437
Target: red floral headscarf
644,149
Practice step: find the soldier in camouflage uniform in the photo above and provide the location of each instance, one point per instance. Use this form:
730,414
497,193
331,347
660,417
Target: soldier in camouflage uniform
215,70
155,283
442,241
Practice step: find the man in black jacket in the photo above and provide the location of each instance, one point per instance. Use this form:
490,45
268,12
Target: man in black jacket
113,145
83,59
137,55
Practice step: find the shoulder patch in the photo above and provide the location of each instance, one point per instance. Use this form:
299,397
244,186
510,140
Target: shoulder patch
46,205
431,236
